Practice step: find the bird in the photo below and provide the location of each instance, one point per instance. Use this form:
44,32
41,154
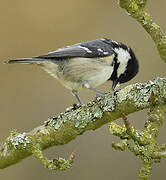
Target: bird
87,65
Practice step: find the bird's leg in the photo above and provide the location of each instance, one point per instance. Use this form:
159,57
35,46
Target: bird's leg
86,85
74,92
97,90
116,89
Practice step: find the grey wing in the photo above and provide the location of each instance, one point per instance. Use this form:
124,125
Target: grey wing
90,49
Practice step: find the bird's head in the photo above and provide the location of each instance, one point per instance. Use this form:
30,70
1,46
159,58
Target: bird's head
125,64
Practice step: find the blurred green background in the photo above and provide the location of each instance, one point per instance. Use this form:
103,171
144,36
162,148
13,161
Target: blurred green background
29,95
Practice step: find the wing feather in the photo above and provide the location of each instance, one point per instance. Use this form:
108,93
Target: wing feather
90,49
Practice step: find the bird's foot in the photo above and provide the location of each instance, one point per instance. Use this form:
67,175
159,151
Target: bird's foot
97,96
76,106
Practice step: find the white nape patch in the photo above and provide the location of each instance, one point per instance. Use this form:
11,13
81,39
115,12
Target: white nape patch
123,57
86,49
100,50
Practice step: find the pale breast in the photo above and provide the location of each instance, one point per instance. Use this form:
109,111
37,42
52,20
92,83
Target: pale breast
74,73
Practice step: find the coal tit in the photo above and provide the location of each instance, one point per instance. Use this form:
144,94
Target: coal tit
88,64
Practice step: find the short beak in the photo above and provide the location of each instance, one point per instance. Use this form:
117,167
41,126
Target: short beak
115,82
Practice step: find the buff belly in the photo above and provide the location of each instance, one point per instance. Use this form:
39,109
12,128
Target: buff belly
75,73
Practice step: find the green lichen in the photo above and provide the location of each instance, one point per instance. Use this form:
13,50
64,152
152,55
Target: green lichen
58,164
108,104
90,115
18,140
123,95
118,130
145,142
81,119
122,145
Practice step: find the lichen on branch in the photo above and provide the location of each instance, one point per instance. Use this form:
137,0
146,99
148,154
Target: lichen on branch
75,121
144,142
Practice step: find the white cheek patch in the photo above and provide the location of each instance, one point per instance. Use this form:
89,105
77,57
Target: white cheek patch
123,57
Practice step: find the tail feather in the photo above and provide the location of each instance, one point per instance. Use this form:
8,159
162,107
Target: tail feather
25,61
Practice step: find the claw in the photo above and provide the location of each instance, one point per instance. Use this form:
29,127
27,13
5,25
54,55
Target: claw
96,96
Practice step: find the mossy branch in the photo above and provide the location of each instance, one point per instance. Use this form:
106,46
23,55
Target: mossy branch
144,144
137,9
75,121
